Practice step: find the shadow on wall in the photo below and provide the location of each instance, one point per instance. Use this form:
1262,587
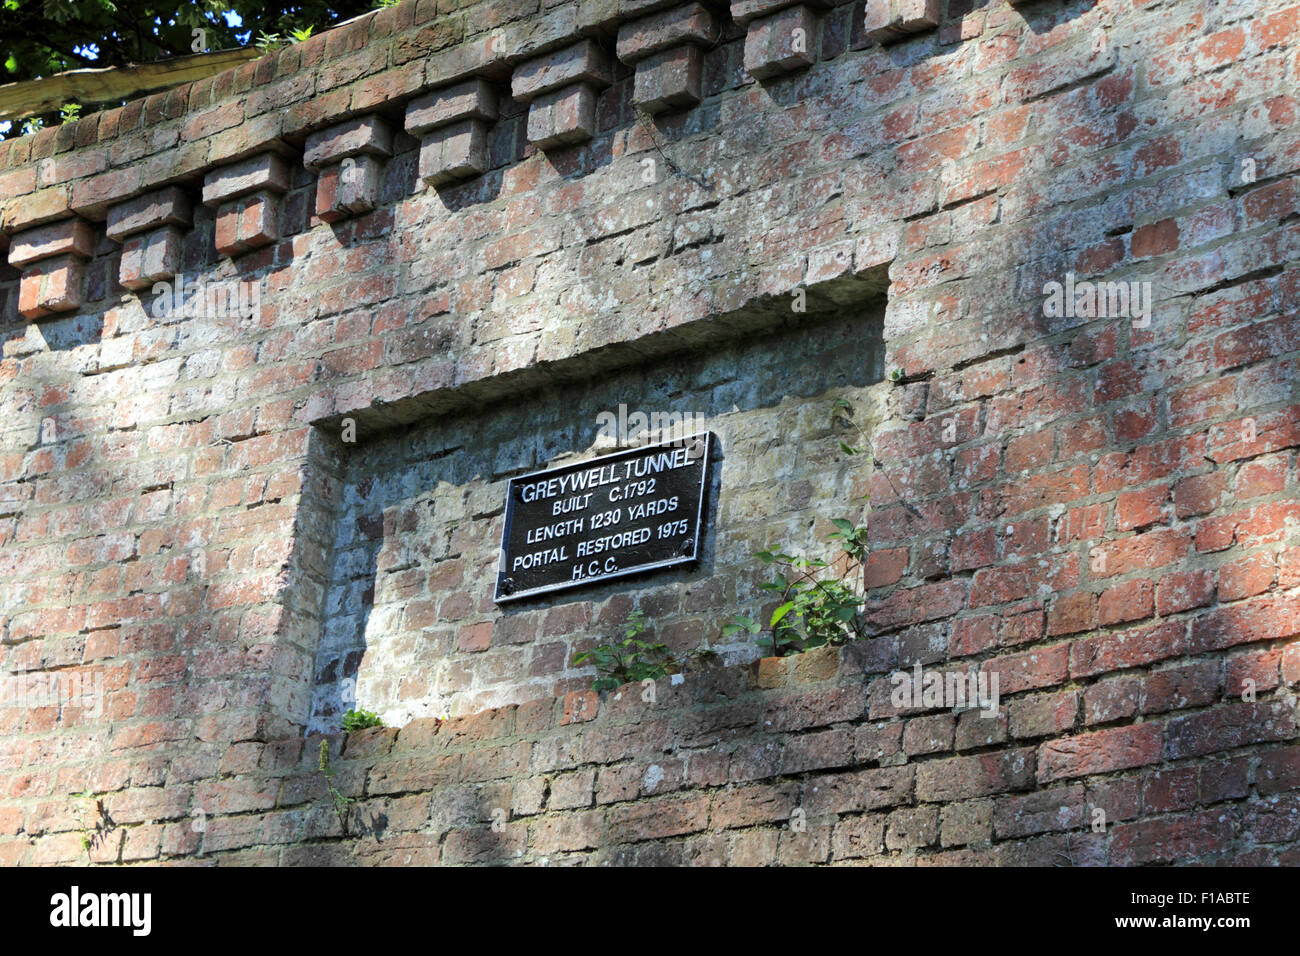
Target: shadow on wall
1142,217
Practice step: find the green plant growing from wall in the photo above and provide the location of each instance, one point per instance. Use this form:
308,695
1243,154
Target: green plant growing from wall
342,804
98,831
817,605
819,602
355,720
632,660
269,42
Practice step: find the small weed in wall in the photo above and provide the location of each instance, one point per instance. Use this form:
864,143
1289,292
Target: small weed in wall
818,604
633,660
94,834
355,720
269,42
342,804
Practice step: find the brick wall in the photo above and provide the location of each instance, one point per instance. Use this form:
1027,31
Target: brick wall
480,225
411,628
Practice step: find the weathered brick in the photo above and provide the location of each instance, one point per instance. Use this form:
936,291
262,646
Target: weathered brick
690,23
1175,838
358,137
264,172
669,79
562,117
781,42
149,257
52,285
1228,727
473,99
582,63
452,152
885,20
1100,752
957,778
348,188
163,207
71,237
247,223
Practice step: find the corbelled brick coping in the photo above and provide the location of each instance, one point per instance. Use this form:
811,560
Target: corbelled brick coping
373,63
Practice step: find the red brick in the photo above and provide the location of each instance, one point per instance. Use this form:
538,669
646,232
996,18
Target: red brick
1149,550
1173,838
1072,613
1184,685
1131,648
1043,715
1109,700
1262,619
580,706
1228,727
1279,771
1130,601
1246,577
1040,667
52,285
1184,590
67,237
1102,751
1155,239
1262,477
956,778
999,585
266,171
884,568
1199,494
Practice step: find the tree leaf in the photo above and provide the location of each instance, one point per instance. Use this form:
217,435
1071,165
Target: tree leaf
779,614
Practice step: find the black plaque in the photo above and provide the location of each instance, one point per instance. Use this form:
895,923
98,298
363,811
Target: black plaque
620,514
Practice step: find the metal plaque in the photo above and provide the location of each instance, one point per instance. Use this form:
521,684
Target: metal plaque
620,514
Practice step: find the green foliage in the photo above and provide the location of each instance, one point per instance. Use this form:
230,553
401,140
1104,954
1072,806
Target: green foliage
95,832
342,804
633,660
43,37
896,375
842,415
360,720
267,42
817,605
818,600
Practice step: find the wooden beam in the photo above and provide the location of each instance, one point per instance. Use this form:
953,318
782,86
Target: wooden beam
114,84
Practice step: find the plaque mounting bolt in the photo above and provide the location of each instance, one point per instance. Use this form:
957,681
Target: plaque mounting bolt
687,546
508,586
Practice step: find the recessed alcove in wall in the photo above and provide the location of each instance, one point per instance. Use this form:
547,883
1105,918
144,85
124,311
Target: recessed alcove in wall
409,626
